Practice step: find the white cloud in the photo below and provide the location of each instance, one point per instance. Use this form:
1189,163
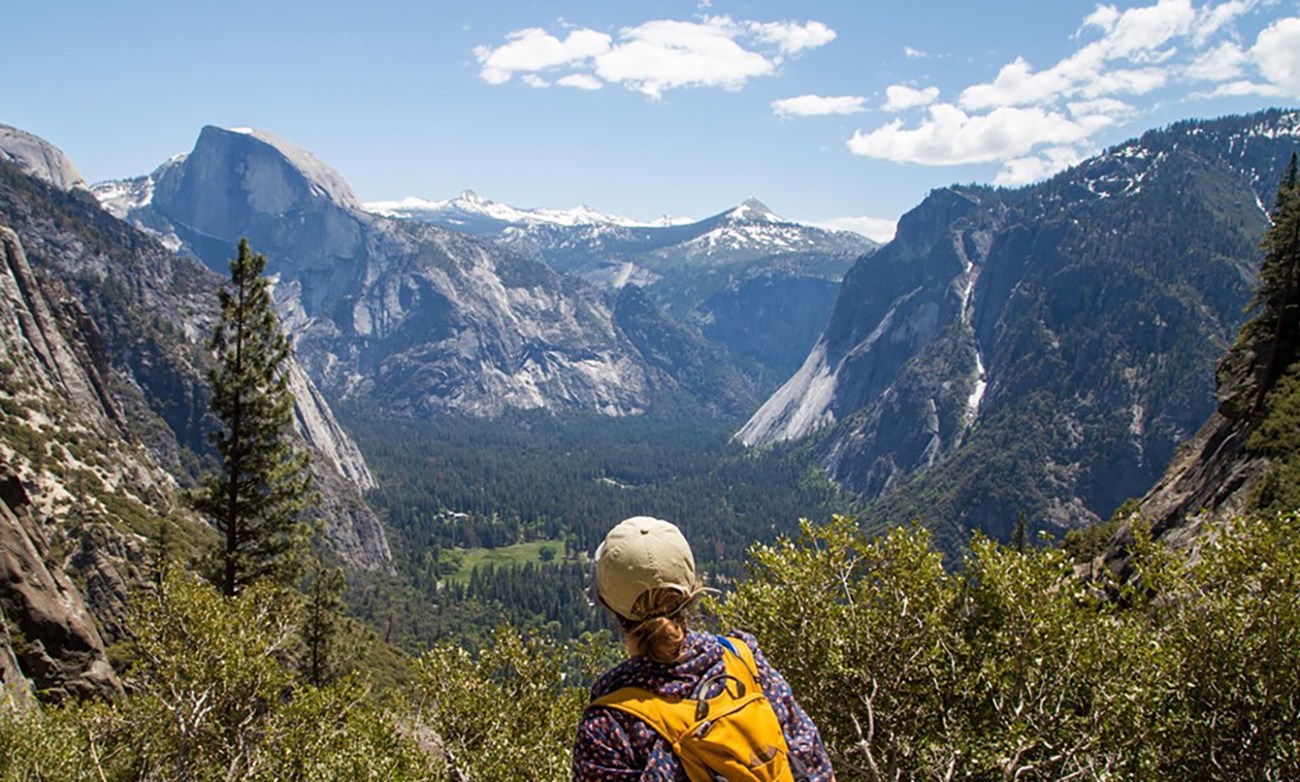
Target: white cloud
899,97
1139,32
534,50
664,55
1243,87
1144,36
581,81
1016,84
951,136
1222,63
792,37
1024,170
1039,121
1104,16
878,228
817,105
913,54
1277,54
533,80
1125,81
1107,107
1211,19
655,56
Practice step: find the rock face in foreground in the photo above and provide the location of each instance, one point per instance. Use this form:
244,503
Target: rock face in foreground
1040,350
47,629
143,316
50,642
405,316
1210,478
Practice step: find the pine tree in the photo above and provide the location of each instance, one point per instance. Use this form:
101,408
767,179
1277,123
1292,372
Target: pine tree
1278,295
1020,535
322,625
259,494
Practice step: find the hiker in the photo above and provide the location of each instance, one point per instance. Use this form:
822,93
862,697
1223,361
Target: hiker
685,705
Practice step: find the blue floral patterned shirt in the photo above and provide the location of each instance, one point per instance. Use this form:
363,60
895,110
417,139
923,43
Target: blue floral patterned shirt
614,745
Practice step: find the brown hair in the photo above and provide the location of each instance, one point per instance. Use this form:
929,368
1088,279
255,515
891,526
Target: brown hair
663,631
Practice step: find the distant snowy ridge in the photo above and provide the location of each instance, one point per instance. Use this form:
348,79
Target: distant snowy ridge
120,196
471,204
747,227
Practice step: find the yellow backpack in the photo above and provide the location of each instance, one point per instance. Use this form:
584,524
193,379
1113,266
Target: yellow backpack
732,736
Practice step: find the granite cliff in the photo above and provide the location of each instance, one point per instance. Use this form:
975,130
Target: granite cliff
410,317
757,284
1040,350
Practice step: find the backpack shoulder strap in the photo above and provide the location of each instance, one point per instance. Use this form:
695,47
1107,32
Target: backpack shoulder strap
669,717
740,652
672,717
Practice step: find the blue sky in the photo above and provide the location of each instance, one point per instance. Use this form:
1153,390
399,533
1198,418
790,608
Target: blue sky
840,112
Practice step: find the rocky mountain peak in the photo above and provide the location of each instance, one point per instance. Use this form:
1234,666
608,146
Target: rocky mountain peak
751,210
39,158
235,179
247,182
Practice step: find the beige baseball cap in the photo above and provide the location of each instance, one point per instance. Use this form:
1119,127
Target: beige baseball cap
641,553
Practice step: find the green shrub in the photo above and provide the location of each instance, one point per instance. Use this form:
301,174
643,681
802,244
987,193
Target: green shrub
1013,668
212,696
511,712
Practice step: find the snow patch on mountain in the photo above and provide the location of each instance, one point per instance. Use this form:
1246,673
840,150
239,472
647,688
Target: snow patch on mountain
1121,171
120,196
1286,126
751,210
779,237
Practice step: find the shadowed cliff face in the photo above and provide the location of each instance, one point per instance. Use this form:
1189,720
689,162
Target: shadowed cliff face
103,405
1040,350
49,642
139,320
1245,459
409,316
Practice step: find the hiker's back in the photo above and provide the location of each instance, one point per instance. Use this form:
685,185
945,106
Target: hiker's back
646,723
